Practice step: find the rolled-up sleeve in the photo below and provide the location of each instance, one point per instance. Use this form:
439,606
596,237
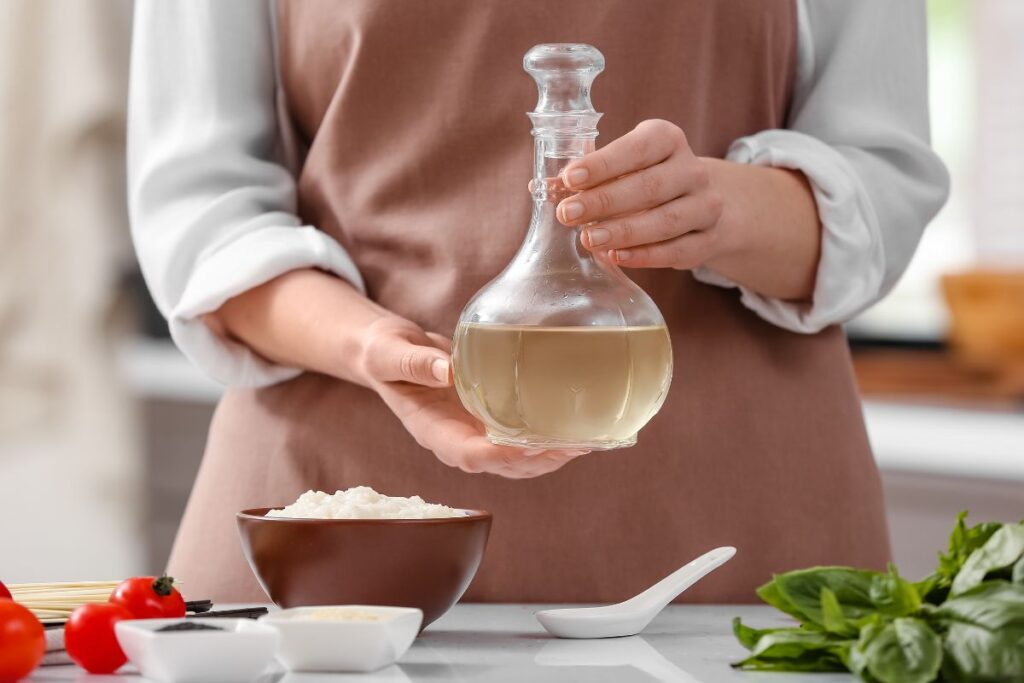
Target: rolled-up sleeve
858,130
212,204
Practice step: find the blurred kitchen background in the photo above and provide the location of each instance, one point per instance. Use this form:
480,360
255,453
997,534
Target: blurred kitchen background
102,422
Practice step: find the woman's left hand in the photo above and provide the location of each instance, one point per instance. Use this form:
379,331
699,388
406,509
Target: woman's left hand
646,198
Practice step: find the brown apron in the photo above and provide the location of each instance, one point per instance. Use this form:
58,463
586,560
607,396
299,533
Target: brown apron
418,159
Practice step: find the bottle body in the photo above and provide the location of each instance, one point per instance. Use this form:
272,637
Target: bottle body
562,387
561,349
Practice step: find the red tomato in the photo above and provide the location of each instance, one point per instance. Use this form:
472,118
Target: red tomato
147,597
22,642
89,637
4,593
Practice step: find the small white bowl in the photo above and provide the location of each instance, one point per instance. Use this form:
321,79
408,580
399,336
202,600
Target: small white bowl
349,645
241,652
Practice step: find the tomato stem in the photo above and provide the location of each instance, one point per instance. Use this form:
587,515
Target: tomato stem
163,586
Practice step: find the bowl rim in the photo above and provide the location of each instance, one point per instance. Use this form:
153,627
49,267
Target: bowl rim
150,626
288,615
259,514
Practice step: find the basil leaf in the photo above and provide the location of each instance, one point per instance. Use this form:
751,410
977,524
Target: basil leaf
832,615
893,595
748,636
809,661
770,594
927,588
975,653
857,661
992,605
791,642
905,651
1003,549
802,590
797,649
963,541
985,636
965,621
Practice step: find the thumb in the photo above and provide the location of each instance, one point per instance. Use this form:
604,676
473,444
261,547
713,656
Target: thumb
400,360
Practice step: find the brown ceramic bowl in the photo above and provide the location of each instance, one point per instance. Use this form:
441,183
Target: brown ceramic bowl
424,563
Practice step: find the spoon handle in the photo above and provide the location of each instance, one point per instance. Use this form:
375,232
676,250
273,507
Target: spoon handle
663,592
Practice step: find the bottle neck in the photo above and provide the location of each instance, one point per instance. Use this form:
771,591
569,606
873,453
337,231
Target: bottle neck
548,243
552,154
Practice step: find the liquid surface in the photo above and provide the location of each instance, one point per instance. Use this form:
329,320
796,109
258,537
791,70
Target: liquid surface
584,386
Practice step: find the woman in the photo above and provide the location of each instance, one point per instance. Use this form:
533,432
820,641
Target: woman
318,188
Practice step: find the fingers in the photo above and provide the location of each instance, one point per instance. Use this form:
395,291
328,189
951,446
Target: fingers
539,464
477,455
437,421
440,341
515,463
551,461
650,143
643,189
645,200
395,358
670,220
688,251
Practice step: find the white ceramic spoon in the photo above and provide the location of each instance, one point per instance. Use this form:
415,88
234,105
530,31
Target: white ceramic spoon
632,616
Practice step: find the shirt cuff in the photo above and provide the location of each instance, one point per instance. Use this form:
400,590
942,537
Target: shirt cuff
851,268
237,267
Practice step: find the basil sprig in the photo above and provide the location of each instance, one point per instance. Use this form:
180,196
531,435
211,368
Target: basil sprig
963,623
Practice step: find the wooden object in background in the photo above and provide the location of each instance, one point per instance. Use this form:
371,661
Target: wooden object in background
984,364
932,376
987,320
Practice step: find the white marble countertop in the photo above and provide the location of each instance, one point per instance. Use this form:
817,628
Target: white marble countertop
504,643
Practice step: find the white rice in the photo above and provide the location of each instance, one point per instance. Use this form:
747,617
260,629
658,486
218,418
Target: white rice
362,502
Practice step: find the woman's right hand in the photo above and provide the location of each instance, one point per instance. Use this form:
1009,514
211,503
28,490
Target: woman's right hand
312,320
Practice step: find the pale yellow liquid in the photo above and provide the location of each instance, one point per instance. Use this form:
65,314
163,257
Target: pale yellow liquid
547,386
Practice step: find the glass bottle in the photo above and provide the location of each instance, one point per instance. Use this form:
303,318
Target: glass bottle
561,350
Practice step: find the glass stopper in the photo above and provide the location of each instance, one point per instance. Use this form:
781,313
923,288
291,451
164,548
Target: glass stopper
564,73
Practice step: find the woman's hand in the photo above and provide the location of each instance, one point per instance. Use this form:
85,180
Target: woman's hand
439,423
402,363
650,202
315,321
647,198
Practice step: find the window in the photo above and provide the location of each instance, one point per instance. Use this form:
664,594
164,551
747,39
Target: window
976,62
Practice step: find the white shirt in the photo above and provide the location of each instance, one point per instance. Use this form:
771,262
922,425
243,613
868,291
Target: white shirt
212,184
